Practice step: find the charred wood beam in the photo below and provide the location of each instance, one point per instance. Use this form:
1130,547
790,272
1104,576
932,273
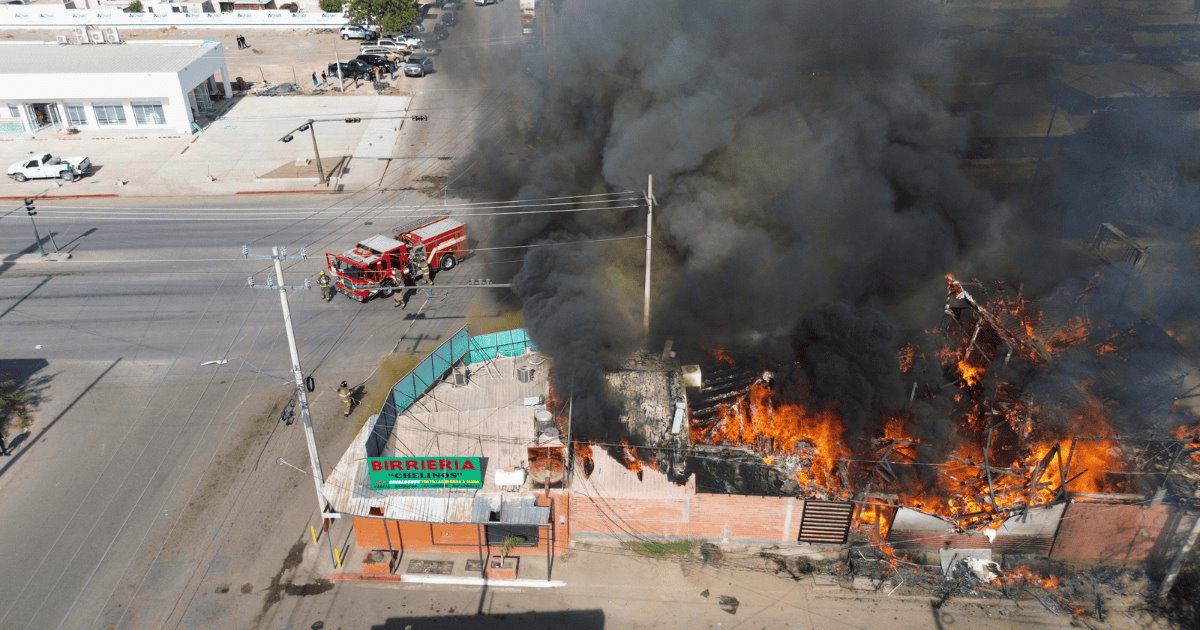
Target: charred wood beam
987,467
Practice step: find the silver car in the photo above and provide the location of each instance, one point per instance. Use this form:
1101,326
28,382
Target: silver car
358,31
418,66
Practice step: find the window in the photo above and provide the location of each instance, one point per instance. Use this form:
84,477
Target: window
109,114
76,116
13,112
149,114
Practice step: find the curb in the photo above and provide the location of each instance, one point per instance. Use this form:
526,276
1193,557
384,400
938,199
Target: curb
44,196
415,578
284,192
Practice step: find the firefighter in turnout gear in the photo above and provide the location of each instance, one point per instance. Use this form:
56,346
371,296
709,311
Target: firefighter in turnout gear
426,271
347,402
326,286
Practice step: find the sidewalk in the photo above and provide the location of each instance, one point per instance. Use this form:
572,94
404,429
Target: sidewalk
239,153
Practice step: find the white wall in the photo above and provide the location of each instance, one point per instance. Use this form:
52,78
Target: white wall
168,88
43,16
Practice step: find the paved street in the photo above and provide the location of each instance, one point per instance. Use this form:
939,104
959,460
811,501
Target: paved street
148,481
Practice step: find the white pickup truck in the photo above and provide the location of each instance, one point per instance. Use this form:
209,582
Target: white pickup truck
46,165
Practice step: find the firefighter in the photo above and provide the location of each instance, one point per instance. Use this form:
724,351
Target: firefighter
347,402
426,271
401,297
326,286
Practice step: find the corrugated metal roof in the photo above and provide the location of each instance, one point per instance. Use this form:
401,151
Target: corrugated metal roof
127,58
611,479
486,418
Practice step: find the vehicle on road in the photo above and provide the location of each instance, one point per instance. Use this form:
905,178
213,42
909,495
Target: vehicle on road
358,31
382,61
381,264
449,18
353,69
418,66
483,3
46,165
440,32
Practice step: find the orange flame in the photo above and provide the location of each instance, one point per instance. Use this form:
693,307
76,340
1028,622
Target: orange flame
1025,574
630,458
761,422
971,374
583,451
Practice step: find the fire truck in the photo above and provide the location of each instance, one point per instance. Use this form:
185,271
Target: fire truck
380,265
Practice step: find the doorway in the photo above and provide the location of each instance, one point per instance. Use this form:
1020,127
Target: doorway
42,115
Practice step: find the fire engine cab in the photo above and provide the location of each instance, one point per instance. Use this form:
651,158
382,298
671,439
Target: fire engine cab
380,265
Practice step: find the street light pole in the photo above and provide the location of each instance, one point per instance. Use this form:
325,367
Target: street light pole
649,235
320,169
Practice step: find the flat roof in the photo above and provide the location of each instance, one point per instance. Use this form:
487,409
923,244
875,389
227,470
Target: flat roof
489,417
126,58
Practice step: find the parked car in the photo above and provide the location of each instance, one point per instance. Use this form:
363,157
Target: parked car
46,165
400,46
414,28
418,66
449,18
358,31
381,61
429,46
483,3
440,32
352,69
387,53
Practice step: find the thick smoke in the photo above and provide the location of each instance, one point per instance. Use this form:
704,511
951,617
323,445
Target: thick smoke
808,183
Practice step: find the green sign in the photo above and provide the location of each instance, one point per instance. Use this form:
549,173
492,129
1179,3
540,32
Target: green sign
409,473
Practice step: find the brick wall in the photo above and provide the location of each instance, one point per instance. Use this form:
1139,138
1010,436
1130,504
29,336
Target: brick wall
700,516
1125,535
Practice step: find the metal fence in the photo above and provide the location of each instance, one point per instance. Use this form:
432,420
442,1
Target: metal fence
43,16
507,343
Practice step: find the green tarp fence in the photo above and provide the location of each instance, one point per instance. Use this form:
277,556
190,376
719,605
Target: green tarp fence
413,385
507,343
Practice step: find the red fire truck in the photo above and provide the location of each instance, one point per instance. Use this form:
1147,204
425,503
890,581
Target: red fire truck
380,264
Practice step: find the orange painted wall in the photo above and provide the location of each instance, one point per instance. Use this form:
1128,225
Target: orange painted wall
410,536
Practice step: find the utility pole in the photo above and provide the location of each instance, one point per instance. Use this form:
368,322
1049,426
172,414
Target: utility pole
649,234
278,256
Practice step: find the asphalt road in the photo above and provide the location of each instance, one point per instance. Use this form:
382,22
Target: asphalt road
148,477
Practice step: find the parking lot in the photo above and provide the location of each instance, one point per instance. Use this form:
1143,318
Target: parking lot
239,151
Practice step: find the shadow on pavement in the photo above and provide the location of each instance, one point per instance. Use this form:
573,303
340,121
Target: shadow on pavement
34,437
573,619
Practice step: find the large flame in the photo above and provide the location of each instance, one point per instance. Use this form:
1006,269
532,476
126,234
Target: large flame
763,423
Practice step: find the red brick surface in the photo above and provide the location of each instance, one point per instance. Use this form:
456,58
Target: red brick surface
1113,534
708,516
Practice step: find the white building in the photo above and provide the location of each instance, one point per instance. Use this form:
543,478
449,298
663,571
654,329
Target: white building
154,85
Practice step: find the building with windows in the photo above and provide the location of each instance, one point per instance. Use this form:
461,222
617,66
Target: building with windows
153,85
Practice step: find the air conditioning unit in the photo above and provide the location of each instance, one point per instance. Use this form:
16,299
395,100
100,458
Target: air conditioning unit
62,39
97,37
111,35
81,36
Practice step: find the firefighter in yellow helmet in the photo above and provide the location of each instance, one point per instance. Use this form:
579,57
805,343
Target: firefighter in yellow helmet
326,286
343,391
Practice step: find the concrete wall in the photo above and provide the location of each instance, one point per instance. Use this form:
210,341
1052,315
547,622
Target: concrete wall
43,16
716,517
